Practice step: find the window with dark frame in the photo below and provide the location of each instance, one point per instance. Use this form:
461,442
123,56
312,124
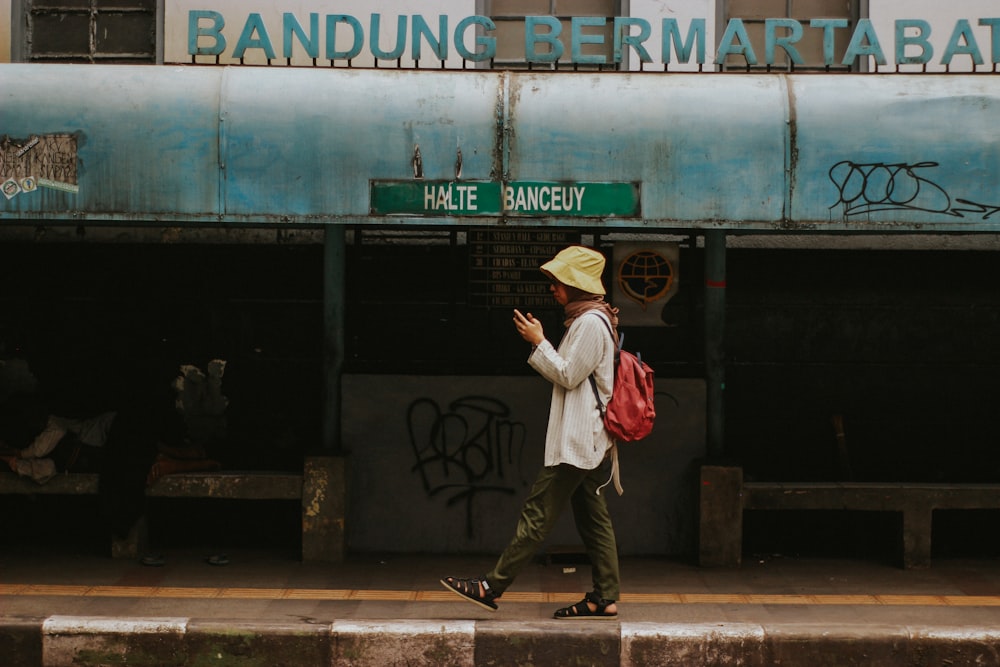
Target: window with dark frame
753,14
91,31
509,15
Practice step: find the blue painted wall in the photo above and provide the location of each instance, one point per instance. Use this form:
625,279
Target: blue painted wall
742,152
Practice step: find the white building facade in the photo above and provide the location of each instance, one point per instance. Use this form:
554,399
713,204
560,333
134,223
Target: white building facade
674,35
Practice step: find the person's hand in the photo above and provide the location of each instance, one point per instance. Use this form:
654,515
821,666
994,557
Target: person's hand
528,327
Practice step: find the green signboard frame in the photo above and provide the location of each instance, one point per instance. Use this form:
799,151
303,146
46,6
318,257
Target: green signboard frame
513,198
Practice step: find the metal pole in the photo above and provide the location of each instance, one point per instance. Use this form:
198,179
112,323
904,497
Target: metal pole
715,325
334,260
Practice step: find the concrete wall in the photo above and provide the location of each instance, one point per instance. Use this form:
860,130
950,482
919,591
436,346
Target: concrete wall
942,17
442,464
684,11
5,21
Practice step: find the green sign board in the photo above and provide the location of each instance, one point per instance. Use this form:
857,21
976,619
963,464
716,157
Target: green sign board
513,198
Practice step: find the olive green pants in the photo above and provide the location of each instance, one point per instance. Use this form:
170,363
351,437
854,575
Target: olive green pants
554,488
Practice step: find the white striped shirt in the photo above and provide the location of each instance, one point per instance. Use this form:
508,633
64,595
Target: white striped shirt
576,433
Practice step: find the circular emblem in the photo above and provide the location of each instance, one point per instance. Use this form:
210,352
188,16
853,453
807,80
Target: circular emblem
10,188
645,276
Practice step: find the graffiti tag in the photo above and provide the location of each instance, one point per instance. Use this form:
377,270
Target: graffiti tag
879,186
472,449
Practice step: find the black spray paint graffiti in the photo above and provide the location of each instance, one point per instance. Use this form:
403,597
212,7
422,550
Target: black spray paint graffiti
472,449
877,186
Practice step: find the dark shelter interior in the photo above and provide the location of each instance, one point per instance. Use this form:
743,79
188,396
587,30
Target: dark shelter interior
895,349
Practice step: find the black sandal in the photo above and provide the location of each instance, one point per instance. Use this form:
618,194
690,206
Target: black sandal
581,610
468,589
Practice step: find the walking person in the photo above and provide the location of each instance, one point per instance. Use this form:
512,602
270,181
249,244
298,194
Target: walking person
579,459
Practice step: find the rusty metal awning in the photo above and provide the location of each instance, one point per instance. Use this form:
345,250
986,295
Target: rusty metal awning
277,146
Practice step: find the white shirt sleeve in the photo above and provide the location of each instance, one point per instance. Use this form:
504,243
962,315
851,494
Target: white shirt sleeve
576,433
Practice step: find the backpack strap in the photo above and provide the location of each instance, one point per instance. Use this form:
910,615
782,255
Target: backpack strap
618,339
593,380
615,472
597,396
615,469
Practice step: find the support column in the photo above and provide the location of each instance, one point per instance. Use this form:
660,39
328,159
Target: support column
715,323
324,493
720,517
324,509
334,260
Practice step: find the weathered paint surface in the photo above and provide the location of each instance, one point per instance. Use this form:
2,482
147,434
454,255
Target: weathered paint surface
232,485
741,152
75,641
466,449
147,139
324,503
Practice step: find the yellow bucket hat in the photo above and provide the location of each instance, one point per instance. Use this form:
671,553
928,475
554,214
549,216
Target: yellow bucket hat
579,267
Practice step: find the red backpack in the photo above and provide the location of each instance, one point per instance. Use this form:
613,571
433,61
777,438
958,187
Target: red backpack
629,414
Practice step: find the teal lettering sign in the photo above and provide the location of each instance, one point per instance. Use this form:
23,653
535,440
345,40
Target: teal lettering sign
210,34
514,198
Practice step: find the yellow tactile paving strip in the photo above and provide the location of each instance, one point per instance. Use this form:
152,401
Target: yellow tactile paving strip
57,590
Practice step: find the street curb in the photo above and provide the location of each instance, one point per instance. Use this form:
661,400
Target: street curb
78,641
808,645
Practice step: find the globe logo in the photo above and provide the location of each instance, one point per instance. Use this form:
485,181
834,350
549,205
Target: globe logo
645,276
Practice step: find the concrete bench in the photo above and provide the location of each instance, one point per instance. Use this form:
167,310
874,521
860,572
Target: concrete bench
319,488
725,496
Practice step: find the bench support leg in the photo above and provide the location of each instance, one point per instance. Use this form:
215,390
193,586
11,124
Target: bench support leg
133,544
720,517
917,538
324,509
